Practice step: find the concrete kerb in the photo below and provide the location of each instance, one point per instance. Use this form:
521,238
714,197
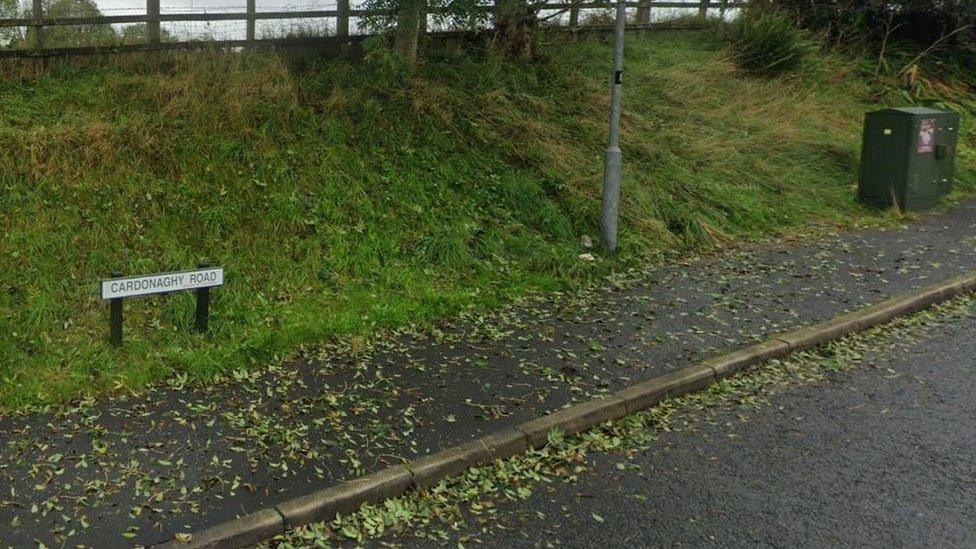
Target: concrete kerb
506,442
728,364
242,532
427,471
575,419
346,497
863,319
648,393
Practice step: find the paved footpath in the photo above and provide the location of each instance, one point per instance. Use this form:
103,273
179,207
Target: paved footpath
880,456
140,469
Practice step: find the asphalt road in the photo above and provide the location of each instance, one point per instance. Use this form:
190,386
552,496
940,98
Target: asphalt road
136,469
880,456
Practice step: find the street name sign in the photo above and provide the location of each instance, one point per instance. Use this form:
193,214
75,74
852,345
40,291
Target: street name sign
132,286
119,287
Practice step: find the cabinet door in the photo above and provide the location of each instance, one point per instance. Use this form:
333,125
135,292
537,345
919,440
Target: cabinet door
924,179
948,140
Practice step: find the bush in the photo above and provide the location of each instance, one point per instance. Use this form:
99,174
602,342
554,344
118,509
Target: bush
767,43
920,23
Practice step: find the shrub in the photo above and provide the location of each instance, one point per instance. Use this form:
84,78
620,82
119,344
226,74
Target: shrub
767,43
921,23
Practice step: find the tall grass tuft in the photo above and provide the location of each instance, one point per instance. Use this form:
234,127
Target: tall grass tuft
766,42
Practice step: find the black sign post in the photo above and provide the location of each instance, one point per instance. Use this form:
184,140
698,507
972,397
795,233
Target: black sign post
115,318
203,304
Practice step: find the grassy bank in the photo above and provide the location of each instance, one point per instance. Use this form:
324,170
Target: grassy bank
343,197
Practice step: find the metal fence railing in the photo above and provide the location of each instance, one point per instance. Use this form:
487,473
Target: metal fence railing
37,34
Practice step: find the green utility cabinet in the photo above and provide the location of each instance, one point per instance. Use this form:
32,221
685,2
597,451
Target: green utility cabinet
908,157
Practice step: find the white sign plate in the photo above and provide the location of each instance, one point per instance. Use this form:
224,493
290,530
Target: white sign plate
162,283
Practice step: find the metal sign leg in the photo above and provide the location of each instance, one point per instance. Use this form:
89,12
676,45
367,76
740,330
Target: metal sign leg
203,308
115,322
203,303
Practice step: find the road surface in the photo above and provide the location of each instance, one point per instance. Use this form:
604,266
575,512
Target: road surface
883,455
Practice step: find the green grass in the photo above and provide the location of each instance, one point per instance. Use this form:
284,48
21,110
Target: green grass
348,197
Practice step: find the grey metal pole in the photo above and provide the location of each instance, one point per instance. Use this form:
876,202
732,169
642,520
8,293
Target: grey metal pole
613,158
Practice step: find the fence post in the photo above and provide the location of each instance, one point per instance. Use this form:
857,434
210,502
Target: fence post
422,27
574,13
703,9
342,21
152,21
644,12
38,14
251,20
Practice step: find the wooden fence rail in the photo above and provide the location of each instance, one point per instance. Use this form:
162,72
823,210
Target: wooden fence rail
342,14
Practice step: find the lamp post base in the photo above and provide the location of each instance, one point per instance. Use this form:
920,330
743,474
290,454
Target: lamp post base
612,167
